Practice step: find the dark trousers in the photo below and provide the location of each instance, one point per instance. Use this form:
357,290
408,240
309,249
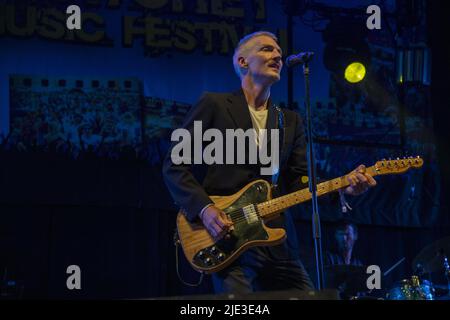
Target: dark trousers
257,270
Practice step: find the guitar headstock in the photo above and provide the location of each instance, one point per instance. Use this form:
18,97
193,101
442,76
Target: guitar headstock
399,165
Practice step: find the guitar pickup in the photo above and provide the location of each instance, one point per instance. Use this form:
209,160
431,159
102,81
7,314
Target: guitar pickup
250,214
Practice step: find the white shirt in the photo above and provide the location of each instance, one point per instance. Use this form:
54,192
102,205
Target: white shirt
259,120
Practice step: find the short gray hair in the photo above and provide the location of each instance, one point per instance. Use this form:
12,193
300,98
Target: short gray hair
241,46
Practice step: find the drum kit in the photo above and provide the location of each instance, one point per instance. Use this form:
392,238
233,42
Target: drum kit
351,280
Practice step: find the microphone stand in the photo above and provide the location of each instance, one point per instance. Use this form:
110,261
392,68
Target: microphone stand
313,183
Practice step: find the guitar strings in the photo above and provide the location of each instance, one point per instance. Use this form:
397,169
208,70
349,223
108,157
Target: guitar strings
238,215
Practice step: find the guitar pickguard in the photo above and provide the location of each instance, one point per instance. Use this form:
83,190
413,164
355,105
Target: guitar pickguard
245,230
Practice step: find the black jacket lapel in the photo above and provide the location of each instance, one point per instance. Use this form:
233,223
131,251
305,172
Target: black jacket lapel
272,119
272,123
238,109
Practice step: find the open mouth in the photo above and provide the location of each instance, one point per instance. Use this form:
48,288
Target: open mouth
275,66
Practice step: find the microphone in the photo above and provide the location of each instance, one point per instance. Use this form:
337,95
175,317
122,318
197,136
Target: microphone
301,58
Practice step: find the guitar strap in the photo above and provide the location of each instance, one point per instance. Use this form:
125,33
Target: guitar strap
280,126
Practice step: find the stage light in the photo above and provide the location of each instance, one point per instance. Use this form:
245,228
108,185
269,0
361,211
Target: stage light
342,50
355,72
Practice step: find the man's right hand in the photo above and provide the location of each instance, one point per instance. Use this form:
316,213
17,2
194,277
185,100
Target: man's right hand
216,222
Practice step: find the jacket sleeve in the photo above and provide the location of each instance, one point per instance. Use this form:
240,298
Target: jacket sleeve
186,191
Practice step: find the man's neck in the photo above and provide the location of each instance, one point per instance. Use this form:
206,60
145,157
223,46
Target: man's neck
256,94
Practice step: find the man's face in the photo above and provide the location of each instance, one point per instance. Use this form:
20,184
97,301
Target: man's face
346,238
263,59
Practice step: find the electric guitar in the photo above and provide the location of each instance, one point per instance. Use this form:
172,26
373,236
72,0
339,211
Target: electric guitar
249,208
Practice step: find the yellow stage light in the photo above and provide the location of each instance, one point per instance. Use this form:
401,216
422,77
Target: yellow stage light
355,72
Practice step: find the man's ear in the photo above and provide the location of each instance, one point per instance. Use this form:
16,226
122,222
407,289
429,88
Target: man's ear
242,62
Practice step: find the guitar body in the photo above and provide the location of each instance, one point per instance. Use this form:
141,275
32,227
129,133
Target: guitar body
207,255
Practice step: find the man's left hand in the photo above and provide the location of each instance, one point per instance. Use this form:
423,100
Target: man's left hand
359,181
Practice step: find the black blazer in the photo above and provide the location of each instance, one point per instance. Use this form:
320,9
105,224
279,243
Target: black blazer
230,111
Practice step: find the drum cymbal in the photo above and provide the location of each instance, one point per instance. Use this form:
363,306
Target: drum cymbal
353,278
431,258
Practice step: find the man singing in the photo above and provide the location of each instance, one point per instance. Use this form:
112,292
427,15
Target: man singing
258,62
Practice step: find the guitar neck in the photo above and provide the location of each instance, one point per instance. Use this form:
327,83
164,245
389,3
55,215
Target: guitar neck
272,207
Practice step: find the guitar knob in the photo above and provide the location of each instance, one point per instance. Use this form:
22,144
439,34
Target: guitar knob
201,254
221,257
213,250
208,261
